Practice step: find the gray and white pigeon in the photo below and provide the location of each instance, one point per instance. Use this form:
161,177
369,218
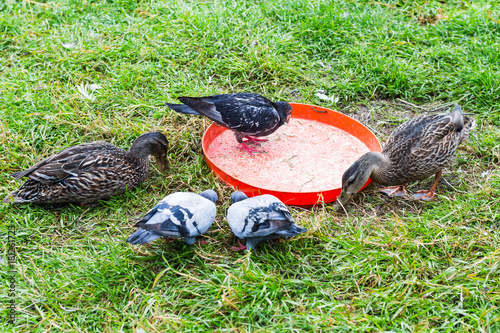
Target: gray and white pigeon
180,214
260,218
248,115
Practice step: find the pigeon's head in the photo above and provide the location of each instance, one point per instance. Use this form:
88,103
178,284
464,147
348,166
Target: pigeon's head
238,196
210,195
284,110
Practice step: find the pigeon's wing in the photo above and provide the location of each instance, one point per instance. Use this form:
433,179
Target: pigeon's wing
167,220
167,228
281,209
205,108
248,113
244,112
267,227
72,161
148,216
171,217
292,231
141,236
266,220
181,108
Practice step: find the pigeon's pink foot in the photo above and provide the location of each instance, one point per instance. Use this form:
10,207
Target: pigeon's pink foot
248,149
254,140
394,191
204,242
240,248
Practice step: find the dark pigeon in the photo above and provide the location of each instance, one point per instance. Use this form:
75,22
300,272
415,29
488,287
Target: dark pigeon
181,215
260,218
249,115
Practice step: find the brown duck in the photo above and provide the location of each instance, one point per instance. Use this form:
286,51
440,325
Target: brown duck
90,171
416,150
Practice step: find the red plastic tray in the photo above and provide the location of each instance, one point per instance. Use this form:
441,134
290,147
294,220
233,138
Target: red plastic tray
293,196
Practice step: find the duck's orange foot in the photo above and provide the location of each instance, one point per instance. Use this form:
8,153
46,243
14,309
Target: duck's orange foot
426,195
394,191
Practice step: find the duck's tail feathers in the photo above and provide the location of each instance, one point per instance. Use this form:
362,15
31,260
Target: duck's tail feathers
9,198
13,199
457,107
469,124
181,108
142,236
21,174
461,119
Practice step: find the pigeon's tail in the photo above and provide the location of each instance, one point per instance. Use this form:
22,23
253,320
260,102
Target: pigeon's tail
142,236
181,108
251,243
292,231
190,240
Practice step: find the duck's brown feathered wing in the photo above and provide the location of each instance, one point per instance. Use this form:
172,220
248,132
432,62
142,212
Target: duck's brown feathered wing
423,145
82,173
73,160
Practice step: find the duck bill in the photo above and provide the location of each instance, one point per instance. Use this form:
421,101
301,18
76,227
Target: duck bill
342,199
163,164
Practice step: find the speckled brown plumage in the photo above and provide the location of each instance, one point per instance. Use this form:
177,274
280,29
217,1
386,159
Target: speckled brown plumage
90,171
421,147
416,150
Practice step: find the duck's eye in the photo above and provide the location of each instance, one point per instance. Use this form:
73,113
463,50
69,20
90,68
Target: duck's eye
350,181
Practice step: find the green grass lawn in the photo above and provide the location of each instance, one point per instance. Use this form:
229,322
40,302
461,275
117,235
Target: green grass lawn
385,265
